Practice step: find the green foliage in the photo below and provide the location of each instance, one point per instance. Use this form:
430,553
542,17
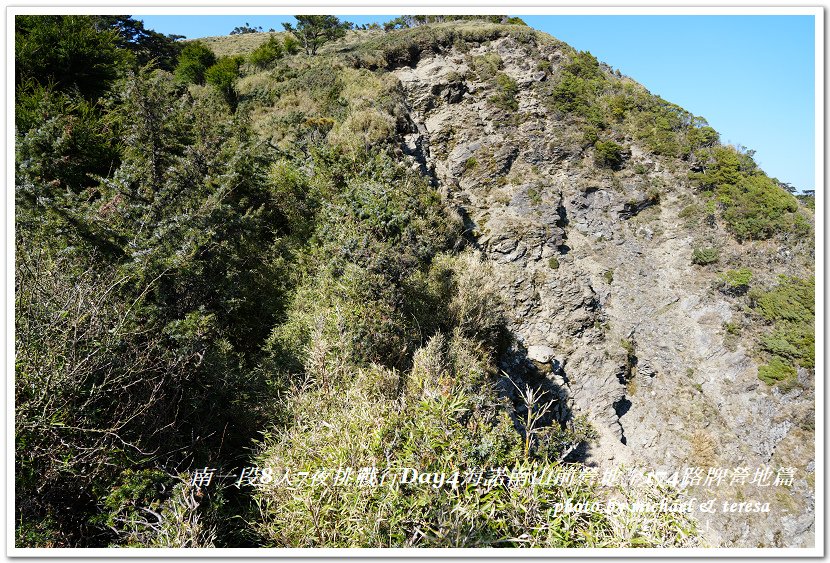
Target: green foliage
795,342
584,65
553,263
439,416
705,256
792,300
776,371
194,60
579,88
223,75
590,135
486,66
142,304
735,282
790,309
608,275
268,53
148,47
505,96
66,53
608,154
63,143
731,328
753,205
369,241
315,31
723,167
290,44
573,94
704,136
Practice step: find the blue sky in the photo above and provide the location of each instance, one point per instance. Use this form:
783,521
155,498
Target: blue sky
751,77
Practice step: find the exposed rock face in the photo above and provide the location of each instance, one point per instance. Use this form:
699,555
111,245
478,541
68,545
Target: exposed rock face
596,276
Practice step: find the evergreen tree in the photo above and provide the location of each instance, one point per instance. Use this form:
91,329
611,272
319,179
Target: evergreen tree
315,31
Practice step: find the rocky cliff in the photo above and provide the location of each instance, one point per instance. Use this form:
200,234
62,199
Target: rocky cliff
595,267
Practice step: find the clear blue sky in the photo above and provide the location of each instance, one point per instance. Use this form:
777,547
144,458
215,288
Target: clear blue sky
751,77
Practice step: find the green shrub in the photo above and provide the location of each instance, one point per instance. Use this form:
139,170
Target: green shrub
290,44
65,52
776,371
790,307
608,154
553,263
584,65
735,282
705,256
618,107
486,66
223,75
63,143
757,208
732,328
608,276
753,205
194,60
576,95
268,53
505,97
590,135
792,300
702,137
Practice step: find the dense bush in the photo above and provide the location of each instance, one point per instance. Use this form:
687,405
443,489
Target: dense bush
63,142
223,75
141,309
735,282
194,60
506,90
268,53
608,154
753,205
776,371
66,53
705,256
790,310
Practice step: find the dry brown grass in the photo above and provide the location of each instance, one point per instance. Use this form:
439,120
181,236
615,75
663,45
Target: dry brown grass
241,44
